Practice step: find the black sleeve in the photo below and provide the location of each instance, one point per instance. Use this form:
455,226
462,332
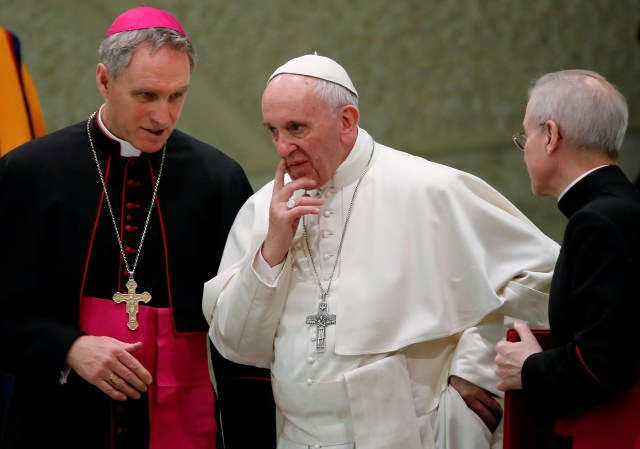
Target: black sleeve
245,404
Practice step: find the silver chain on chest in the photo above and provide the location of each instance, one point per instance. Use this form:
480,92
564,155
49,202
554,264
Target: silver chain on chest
325,293
113,218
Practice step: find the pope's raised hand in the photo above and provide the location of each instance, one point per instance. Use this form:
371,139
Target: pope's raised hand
284,216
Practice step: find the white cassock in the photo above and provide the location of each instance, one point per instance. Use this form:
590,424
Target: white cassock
432,262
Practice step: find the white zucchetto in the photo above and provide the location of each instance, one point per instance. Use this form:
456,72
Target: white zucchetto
317,67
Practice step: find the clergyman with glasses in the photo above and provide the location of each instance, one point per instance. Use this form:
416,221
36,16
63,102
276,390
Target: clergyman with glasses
574,124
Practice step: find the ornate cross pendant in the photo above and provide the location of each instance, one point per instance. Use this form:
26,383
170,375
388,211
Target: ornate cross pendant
321,320
132,299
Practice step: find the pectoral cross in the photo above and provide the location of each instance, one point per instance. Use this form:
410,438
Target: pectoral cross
132,299
321,319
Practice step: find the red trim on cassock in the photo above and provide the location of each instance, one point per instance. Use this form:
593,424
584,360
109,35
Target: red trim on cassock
591,373
93,234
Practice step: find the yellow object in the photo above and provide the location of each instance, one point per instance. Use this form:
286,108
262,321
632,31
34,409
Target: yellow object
21,116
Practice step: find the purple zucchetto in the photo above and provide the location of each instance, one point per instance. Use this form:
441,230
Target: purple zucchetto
144,17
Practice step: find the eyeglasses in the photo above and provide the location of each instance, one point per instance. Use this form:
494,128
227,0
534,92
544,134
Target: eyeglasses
520,139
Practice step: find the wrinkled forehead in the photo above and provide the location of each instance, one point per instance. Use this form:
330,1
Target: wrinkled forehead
292,98
290,90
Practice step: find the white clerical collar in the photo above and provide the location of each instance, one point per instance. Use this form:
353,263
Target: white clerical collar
126,149
575,181
352,167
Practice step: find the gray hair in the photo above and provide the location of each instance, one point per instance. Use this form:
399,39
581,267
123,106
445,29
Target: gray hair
116,50
589,110
334,94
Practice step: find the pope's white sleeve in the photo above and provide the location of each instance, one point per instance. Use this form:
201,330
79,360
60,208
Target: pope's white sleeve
524,298
246,314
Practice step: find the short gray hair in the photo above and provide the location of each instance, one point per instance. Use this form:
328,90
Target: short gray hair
591,113
116,50
334,94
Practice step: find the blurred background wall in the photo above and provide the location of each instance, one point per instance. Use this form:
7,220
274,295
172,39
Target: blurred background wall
443,79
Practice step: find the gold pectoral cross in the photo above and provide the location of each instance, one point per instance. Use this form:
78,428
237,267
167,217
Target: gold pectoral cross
132,299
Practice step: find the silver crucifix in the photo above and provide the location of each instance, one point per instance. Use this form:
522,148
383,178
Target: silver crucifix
321,319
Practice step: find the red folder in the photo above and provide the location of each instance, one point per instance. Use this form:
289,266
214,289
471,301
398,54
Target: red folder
614,425
520,431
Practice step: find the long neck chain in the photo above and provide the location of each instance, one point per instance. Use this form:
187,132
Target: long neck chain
324,293
113,218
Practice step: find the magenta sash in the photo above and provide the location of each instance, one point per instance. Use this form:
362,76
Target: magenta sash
181,402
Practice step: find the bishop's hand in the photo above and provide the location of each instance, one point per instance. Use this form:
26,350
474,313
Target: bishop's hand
109,364
284,216
510,357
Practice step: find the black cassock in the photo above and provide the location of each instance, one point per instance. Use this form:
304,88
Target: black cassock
59,244
593,302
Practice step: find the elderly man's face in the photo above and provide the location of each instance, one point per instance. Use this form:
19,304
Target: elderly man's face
305,131
144,104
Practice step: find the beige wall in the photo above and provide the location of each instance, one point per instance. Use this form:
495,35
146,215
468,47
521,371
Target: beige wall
445,79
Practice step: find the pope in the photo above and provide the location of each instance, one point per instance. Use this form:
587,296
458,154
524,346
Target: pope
373,283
